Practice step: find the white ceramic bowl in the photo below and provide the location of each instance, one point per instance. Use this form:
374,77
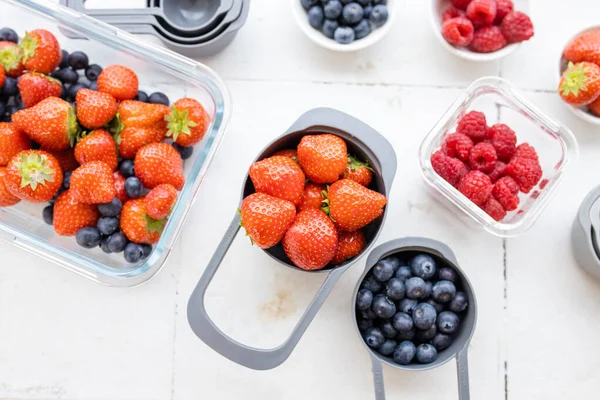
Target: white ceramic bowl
581,112
301,17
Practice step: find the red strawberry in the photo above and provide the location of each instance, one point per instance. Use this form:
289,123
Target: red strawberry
585,47
51,123
11,58
12,141
6,198
290,153
349,245
323,157
580,83
70,215
358,171
41,51
99,145
133,113
35,87
280,177
158,163
517,27
95,109
160,201
2,75
137,225
33,175
266,218
133,139
594,107
313,197
353,206
188,122
311,241
120,187
119,81
93,183
66,159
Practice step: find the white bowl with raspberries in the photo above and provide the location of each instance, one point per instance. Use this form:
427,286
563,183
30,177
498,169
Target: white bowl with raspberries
479,30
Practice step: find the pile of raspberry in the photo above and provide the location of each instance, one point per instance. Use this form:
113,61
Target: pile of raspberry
485,26
485,164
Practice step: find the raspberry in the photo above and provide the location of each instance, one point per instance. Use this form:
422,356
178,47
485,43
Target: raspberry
458,145
517,27
503,7
498,171
494,209
483,157
487,40
460,4
504,141
458,31
452,12
594,107
473,125
526,172
482,12
477,186
525,150
506,191
450,169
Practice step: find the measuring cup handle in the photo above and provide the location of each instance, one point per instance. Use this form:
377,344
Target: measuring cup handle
377,368
462,366
250,357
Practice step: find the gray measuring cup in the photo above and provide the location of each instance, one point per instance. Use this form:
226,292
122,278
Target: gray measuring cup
460,344
364,142
585,235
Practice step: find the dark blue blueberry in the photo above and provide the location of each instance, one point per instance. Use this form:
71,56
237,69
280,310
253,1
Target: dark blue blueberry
383,307
78,60
133,252
48,214
363,3
141,96
423,266
408,335
459,302
424,336
126,168
395,261
346,1
93,85
372,284
104,246
407,305
64,60
405,352
388,329
344,35
443,291
64,93
9,88
10,110
362,29
403,273
117,242
368,314
424,316
388,347
373,337
315,17
308,3
379,15
184,151
364,299
76,87
377,2
92,72
88,237
447,274
441,341
66,75
329,27
428,290
364,324
426,354
438,307
402,322
8,35
108,225
133,187
415,287
383,271
367,12
448,322
395,289
159,98
333,9
67,180
352,13
112,209
2,110
147,248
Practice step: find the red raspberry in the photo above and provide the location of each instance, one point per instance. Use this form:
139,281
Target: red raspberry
458,31
503,7
473,125
483,157
506,191
451,169
452,12
517,27
498,171
482,12
487,40
461,4
494,209
477,186
526,172
504,141
458,145
525,150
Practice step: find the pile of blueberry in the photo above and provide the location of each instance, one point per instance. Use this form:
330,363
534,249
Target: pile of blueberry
409,308
346,20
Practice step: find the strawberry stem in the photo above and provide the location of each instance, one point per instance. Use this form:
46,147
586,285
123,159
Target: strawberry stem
73,127
155,225
10,57
178,123
33,170
115,126
28,46
574,79
354,163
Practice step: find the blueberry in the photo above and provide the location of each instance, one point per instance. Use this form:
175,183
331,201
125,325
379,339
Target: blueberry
383,307
104,246
363,2
10,110
405,352
78,60
379,15
133,252
8,35
424,336
159,98
387,328
93,85
112,209
443,291
126,168
362,29
364,324
459,302
352,13
408,335
407,305
372,284
184,151
66,75
364,299
344,35
438,307
315,17
147,249
133,187
426,354
447,274
76,87
64,93
329,27
9,88
2,110
64,60
333,9
92,72
423,266
141,96
402,322
377,2
308,3
395,261
388,347
117,242
395,289
108,225
403,273
367,11
373,337
346,1
424,316
383,271
67,180
48,214
415,287
88,237
441,341
448,322
368,314
428,290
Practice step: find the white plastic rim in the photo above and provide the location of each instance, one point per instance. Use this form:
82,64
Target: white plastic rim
301,17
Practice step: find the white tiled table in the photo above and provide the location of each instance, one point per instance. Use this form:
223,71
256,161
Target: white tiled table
63,337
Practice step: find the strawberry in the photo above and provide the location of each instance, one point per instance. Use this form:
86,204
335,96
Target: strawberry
158,163
6,198
585,47
51,123
95,109
11,58
120,187
594,107
133,139
93,183
35,87
349,245
12,141
41,51
323,157
119,81
66,159
352,205
70,215
160,201
137,225
358,171
290,153
280,177
33,175
311,241
188,122
99,145
133,113
313,197
138,124
580,83
2,75
266,218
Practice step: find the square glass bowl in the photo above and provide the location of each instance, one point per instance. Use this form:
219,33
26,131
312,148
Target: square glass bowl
501,102
158,70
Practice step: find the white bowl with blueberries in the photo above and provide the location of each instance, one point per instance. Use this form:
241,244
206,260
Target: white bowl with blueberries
344,25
